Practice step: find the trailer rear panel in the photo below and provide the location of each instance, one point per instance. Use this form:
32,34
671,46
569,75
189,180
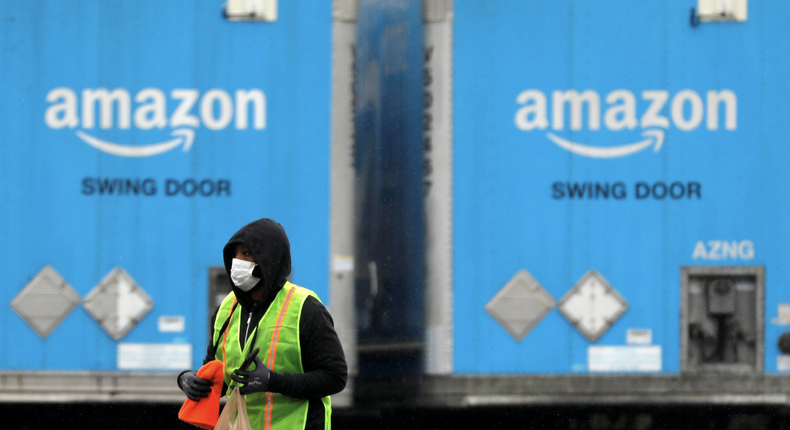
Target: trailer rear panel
625,161
140,136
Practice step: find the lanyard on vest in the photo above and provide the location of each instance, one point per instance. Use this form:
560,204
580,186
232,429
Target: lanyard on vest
224,335
224,326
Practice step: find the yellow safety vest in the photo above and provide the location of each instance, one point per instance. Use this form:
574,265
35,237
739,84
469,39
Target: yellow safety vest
278,340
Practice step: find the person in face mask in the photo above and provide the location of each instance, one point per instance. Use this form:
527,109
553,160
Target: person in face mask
276,340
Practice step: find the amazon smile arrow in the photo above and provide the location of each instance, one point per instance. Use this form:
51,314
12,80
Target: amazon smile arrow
182,135
656,136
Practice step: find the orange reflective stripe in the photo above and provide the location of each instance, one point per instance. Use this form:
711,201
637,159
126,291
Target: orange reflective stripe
276,334
272,355
267,420
227,329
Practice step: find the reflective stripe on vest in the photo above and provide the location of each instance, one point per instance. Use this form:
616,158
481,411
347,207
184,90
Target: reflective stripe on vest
280,351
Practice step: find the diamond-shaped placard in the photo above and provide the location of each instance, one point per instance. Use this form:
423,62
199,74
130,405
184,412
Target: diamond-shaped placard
117,303
592,305
520,304
45,301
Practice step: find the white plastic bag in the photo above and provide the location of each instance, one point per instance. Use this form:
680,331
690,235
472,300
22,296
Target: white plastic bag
234,416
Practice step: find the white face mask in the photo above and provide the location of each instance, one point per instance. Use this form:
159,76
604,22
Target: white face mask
241,274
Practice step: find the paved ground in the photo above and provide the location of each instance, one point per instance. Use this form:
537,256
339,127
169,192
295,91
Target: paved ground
163,417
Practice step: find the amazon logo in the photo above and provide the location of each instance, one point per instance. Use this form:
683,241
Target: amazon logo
687,109
183,112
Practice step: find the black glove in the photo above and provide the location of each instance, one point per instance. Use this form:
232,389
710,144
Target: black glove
194,387
255,381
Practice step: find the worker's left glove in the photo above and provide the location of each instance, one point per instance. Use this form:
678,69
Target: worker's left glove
194,387
255,381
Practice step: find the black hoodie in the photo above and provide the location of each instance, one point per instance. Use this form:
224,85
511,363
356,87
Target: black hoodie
323,360
269,245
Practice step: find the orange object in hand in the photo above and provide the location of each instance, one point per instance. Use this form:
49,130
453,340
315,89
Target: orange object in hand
205,412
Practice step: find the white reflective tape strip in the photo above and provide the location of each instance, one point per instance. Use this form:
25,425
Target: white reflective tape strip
438,183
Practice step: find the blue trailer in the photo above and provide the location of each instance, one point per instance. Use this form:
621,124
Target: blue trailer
611,162
136,138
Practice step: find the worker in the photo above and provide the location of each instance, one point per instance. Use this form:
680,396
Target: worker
277,340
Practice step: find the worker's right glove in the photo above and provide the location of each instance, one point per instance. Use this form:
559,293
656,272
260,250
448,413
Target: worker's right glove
254,381
194,387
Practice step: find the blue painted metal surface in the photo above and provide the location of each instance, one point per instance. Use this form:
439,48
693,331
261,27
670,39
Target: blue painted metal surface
53,209
517,163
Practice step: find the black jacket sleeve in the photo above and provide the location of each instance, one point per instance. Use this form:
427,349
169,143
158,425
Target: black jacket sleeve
323,361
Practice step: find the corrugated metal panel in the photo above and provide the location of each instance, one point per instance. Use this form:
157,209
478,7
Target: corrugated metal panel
240,111
616,138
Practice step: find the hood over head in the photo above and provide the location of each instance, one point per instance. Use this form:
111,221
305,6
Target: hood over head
268,243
